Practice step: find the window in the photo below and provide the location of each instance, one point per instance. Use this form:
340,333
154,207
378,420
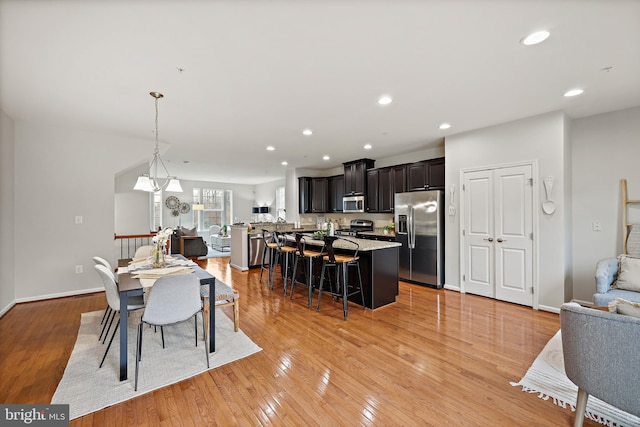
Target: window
280,206
217,207
156,210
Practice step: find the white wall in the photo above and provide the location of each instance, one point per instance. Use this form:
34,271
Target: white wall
61,174
606,149
265,195
7,213
540,139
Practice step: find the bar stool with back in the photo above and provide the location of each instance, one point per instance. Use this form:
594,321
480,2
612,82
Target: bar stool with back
341,263
270,247
308,256
286,251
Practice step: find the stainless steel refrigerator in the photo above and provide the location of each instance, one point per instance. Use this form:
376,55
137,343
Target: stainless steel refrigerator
419,222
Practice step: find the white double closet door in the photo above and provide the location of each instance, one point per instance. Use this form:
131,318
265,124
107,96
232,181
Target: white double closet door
497,233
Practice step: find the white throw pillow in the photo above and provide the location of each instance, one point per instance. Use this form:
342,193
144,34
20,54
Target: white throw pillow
628,273
622,306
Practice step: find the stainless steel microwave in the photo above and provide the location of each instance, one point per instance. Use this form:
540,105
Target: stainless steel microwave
353,204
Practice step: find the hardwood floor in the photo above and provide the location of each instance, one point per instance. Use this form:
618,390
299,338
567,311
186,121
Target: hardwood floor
435,357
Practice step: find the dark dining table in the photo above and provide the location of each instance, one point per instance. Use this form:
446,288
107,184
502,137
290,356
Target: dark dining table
129,286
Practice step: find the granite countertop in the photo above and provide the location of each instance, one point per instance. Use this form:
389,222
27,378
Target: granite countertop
378,232
365,244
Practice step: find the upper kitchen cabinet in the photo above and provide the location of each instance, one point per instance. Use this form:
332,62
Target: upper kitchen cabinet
426,175
372,199
355,176
319,195
388,182
336,192
304,194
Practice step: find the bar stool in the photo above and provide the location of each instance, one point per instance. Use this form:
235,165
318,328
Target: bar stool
305,256
341,263
269,248
286,252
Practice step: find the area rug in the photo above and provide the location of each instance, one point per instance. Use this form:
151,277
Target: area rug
86,388
214,253
547,378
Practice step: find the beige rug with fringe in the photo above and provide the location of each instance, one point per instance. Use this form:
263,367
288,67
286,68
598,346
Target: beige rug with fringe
547,378
87,389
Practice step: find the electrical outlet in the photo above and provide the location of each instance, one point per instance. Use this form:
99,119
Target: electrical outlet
595,226
452,210
79,269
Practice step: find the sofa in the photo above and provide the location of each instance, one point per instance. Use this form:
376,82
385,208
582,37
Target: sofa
601,356
607,286
186,242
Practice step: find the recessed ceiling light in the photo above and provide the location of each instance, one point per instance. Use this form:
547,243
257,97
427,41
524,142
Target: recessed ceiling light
367,146
445,126
384,100
307,132
270,148
535,38
573,92
284,163
325,157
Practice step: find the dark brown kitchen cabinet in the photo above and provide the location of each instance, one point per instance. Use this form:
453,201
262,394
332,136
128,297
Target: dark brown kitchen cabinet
336,192
304,194
399,179
355,176
371,201
426,175
319,195
385,190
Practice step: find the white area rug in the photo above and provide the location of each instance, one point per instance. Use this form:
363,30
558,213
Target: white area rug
213,253
547,378
87,389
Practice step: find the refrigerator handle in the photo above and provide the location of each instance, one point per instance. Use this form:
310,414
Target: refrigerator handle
411,229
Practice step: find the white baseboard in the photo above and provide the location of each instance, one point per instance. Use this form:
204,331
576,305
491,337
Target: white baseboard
7,308
452,287
549,308
238,267
60,295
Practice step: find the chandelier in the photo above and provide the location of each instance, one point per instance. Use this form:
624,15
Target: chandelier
150,181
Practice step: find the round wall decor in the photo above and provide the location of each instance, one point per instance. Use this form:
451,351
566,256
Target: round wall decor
185,208
172,202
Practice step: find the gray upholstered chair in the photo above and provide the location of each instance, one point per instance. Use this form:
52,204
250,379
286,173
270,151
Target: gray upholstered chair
174,299
601,357
606,275
135,302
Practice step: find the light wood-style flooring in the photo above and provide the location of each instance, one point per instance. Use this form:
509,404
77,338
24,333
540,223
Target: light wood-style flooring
434,358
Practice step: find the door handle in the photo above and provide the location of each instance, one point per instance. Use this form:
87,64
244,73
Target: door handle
501,240
490,239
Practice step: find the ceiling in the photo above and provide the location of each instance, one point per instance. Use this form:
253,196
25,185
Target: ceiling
241,75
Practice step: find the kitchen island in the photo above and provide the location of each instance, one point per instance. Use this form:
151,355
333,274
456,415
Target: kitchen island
378,267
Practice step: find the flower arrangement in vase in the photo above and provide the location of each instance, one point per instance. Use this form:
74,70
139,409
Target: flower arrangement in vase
158,259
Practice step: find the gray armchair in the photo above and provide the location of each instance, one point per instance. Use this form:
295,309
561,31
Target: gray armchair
606,275
601,357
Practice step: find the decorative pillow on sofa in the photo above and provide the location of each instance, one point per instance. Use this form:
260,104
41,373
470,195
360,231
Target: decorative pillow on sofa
189,232
622,306
628,274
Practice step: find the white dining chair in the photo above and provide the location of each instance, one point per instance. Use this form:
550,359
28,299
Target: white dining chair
175,299
113,298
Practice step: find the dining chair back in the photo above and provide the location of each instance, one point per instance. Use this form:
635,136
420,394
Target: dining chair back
143,252
102,261
174,299
113,299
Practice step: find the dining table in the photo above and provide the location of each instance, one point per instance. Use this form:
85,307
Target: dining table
129,285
